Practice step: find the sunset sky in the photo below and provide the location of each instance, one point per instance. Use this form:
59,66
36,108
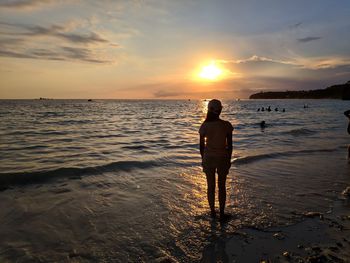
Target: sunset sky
158,49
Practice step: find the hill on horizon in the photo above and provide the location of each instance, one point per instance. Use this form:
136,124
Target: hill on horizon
339,91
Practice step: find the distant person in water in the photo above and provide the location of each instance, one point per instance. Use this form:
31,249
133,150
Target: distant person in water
347,114
215,146
262,124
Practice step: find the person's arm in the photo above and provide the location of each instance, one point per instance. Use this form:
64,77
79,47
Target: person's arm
229,143
201,144
347,113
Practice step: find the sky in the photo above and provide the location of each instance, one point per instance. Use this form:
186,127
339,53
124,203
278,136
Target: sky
157,49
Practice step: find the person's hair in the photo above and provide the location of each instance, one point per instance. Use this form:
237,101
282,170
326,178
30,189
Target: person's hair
211,116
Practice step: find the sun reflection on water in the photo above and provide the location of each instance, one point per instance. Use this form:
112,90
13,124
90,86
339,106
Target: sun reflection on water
205,105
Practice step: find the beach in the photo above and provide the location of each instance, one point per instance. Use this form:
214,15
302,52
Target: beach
121,181
318,237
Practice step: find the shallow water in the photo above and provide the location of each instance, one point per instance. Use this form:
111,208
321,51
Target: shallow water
121,181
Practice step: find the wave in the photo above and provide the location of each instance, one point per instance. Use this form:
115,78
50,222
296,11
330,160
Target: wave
300,132
106,136
135,147
255,158
72,122
22,178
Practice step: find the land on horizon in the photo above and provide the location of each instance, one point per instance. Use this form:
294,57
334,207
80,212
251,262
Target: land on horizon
340,91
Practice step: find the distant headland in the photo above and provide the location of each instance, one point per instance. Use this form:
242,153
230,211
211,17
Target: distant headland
341,91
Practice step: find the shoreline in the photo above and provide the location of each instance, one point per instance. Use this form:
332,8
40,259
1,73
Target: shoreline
317,238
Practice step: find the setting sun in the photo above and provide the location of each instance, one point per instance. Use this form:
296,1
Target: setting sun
210,72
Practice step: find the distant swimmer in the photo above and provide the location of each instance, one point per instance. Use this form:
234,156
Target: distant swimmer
269,108
262,124
306,106
215,144
258,109
284,110
276,109
262,109
347,114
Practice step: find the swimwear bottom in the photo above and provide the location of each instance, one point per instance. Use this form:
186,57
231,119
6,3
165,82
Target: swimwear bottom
219,164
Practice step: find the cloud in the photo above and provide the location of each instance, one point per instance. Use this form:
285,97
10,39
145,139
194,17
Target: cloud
166,94
256,58
57,31
321,63
230,88
72,43
8,53
241,88
61,54
308,39
296,62
217,93
83,54
296,25
25,4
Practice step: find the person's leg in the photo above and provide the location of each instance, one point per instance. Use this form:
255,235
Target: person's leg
222,192
349,152
210,173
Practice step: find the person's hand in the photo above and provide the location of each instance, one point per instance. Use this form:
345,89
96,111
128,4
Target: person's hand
229,163
347,113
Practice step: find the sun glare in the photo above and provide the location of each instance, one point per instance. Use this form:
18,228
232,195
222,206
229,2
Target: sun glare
210,72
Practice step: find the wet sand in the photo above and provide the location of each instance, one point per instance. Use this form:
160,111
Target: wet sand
318,238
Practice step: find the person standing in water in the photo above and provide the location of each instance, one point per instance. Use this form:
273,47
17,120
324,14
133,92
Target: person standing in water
215,146
347,114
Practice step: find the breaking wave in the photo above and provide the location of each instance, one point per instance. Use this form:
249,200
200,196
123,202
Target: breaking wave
254,158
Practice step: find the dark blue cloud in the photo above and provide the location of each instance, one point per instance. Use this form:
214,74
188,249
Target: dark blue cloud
27,41
20,4
308,39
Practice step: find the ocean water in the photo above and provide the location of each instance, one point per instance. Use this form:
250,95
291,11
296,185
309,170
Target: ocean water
121,181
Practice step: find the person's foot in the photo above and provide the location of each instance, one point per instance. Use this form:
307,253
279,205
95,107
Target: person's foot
224,217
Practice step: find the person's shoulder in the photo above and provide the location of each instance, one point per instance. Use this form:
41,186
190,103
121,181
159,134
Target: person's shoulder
203,124
227,124
202,128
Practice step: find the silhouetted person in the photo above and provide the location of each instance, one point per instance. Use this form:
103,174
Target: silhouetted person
276,109
215,146
262,124
269,108
284,110
347,114
258,109
262,109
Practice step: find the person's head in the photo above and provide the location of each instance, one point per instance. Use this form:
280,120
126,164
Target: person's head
214,110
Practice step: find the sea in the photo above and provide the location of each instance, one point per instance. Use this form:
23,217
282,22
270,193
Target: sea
121,180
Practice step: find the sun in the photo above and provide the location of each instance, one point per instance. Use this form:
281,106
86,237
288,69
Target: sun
210,72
